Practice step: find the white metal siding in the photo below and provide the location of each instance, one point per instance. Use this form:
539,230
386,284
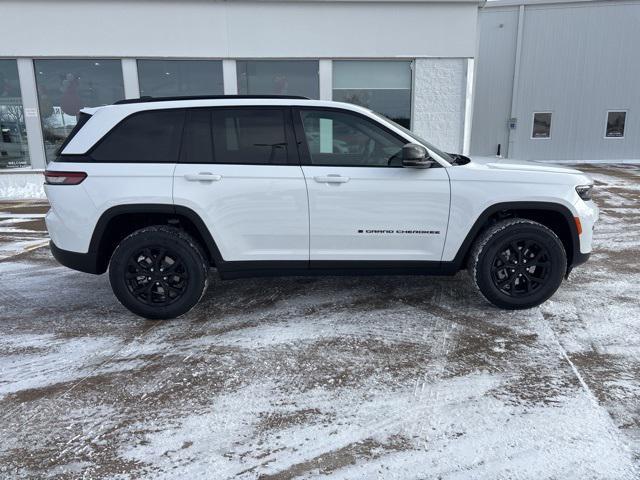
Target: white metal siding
578,61
494,80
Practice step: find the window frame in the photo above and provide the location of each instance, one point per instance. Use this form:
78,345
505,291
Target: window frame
88,153
533,124
606,123
303,146
292,151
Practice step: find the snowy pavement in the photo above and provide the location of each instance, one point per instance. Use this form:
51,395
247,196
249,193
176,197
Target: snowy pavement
338,377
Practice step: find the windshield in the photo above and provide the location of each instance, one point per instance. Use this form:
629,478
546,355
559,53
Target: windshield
429,146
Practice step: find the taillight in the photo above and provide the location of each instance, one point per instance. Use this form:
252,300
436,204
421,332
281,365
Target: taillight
64,178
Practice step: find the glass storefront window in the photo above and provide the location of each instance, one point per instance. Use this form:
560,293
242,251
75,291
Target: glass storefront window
278,77
66,86
164,78
14,152
383,86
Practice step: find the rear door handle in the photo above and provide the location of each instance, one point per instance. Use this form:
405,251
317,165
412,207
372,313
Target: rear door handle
202,177
331,178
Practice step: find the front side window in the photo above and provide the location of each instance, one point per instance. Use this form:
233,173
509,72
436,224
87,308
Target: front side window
615,124
278,77
152,136
541,125
252,136
349,140
14,152
66,86
380,85
164,78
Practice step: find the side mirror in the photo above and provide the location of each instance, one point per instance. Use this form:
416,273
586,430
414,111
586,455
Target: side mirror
416,156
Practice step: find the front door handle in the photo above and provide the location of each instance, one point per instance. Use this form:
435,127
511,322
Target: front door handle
202,177
331,178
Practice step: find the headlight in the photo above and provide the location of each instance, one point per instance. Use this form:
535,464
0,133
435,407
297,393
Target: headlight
584,191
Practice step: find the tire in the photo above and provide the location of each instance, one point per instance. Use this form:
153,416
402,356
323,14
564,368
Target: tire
498,258
158,272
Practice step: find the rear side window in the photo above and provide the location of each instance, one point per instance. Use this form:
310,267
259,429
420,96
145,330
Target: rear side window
151,137
249,136
197,139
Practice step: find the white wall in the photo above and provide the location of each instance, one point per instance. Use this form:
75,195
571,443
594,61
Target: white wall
214,29
439,94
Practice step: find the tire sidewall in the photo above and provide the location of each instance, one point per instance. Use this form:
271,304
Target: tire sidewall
189,255
530,231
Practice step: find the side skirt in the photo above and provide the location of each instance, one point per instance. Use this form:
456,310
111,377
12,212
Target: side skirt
231,270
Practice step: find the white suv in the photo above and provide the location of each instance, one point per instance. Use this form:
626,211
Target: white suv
158,190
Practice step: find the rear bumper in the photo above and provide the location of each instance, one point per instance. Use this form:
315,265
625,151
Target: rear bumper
83,262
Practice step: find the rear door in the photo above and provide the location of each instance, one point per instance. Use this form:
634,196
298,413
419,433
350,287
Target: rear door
363,205
239,170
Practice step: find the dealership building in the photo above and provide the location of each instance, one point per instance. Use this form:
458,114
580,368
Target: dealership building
534,79
412,61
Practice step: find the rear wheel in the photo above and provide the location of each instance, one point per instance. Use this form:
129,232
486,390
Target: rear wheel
518,263
158,272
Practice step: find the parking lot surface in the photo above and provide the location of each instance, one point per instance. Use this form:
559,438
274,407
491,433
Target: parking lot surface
336,377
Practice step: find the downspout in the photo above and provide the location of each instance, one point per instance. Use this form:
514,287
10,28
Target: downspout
515,90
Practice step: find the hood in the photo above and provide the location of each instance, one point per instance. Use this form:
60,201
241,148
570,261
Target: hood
494,163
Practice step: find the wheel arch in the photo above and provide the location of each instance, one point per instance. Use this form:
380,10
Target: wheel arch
117,222
555,216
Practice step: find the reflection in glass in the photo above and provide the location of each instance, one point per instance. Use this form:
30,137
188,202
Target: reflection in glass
164,78
382,86
541,125
66,86
615,124
14,152
278,77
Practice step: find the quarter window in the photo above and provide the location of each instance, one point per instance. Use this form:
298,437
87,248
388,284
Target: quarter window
541,125
348,140
615,124
249,136
152,136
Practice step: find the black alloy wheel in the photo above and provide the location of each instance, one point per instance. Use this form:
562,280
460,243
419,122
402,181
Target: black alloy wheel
520,267
156,276
158,272
517,263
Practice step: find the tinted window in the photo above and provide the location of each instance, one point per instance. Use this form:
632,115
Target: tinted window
66,86
337,138
541,125
152,136
160,78
381,85
249,136
197,139
615,124
278,77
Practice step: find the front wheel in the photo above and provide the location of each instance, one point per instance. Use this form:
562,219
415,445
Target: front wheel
158,272
518,263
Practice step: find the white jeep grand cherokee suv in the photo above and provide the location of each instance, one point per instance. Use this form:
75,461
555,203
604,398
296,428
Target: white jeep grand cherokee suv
157,190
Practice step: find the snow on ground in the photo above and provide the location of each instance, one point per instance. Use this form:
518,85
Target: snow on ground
337,377
21,186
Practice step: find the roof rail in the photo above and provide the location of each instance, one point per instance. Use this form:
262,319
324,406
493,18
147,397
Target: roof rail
207,97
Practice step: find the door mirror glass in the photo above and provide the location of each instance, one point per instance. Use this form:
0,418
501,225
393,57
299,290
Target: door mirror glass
416,156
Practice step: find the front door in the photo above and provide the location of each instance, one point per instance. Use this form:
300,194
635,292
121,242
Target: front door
363,205
239,171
